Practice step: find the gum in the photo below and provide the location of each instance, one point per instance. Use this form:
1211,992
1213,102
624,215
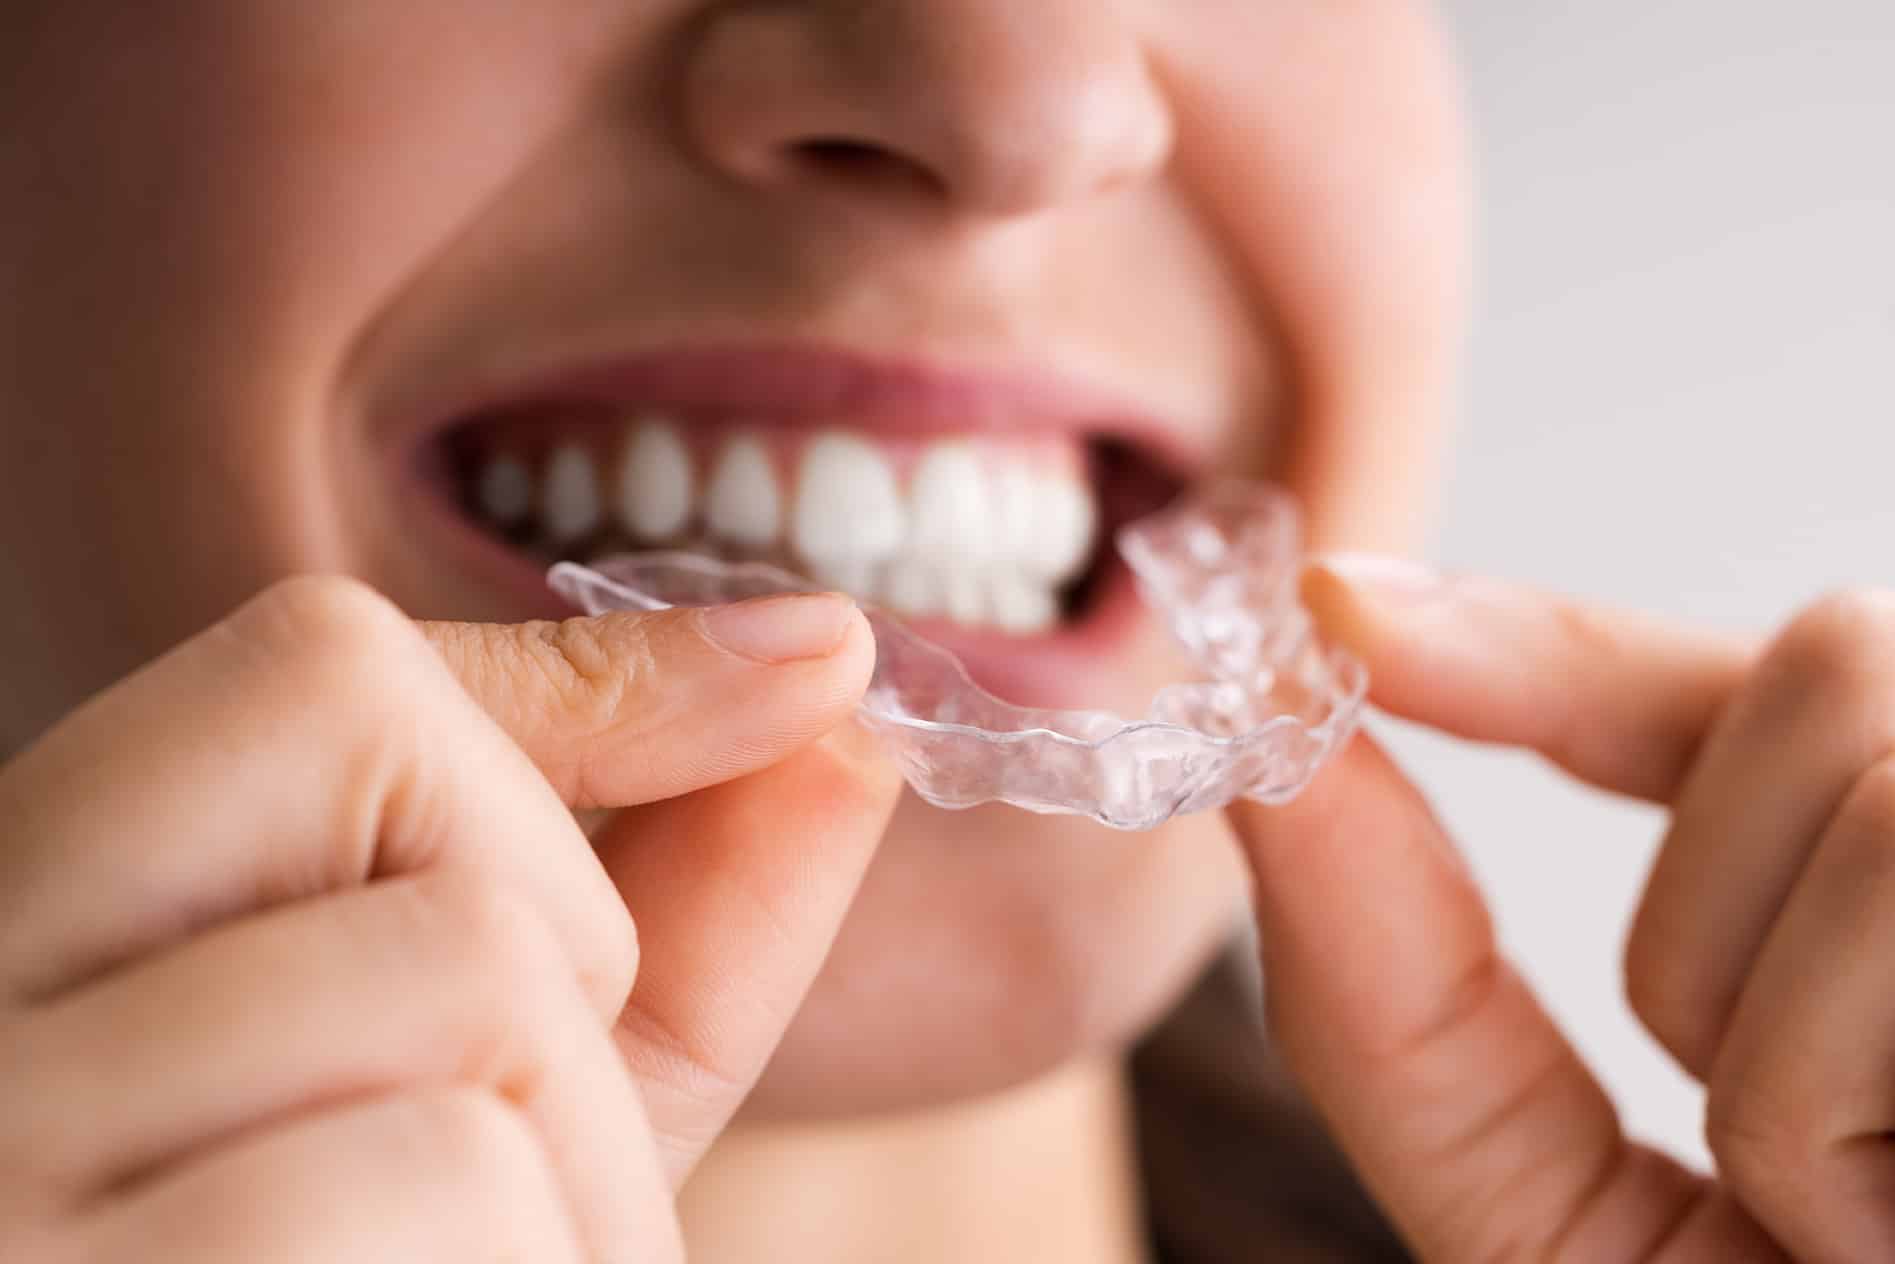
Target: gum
1221,567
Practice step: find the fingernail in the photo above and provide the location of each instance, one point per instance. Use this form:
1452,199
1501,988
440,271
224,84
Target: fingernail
1380,574
1347,593
783,629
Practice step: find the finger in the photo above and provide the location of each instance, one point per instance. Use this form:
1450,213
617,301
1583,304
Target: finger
418,979
447,1174
632,707
311,741
1818,710
1467,1113
739,891
1802,1100
1616,699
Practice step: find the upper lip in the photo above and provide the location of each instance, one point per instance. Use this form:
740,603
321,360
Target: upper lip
818,384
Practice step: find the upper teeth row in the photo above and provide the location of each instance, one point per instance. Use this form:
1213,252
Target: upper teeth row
981,533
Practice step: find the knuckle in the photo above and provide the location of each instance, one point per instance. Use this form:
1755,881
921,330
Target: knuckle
485,1141
340,608
516,947
615,970
1591,633
591,666
541,996
336,633
469,1121
1568,730
508,941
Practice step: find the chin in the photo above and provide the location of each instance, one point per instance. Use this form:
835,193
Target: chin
990,947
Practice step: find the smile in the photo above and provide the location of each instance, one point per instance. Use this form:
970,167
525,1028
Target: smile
982,502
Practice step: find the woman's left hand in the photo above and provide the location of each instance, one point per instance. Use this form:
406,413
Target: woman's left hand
1762,955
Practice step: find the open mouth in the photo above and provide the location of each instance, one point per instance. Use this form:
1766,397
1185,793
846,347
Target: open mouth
1001,523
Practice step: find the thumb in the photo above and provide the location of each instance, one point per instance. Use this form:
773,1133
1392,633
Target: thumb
628,708
1468,1115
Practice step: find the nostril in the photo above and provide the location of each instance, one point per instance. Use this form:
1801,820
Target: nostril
983,108
840,151
860,163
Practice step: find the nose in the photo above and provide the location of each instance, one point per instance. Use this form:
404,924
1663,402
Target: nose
998,108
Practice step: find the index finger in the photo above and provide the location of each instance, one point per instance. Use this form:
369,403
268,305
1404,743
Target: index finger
1617,699
311,742
308,743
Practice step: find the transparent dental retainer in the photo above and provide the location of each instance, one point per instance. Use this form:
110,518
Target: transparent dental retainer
1220,566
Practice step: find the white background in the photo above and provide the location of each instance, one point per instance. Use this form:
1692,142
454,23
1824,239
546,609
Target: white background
1681,397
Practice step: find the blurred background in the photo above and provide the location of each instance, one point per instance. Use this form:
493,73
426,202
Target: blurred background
1681,397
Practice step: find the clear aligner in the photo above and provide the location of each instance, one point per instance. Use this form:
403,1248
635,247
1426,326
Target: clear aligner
1220,566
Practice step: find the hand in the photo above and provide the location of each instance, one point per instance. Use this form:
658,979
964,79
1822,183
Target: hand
1761,956
302,956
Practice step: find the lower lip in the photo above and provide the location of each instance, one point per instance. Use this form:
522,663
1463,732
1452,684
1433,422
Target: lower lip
1058,669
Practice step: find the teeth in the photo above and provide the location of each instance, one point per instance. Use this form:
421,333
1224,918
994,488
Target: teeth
966,595
1019,605
950,533
655,482
912,589
978,538
951,520
1015,490
848,511
742,503
505,491
570,505
1005,598
1061,539
1046,523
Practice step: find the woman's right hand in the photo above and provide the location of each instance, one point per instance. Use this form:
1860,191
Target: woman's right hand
303,955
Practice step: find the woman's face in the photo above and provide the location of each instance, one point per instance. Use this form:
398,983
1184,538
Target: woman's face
430,290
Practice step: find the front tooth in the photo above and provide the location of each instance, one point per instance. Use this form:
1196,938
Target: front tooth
917,587
1021,605
911,588
950,515
743,503
965,594
655,482
1015,516
848,511
505,491
1064,520
570,505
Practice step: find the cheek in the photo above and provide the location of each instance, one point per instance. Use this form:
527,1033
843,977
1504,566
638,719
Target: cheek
208,203
1327,139
264,175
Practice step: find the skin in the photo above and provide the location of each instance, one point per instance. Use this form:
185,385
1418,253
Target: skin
244,241
351,210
